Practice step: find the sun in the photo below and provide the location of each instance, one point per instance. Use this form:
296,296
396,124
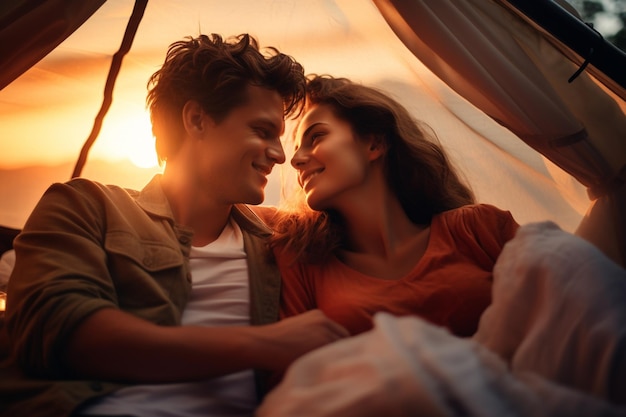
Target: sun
141,152
140,147
128,135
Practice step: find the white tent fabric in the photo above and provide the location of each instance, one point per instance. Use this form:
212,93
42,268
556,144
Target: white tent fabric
353,39
513,73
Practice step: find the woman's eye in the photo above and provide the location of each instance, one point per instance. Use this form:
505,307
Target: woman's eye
316,136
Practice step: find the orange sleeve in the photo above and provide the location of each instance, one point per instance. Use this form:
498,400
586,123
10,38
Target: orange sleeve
486,228
494,227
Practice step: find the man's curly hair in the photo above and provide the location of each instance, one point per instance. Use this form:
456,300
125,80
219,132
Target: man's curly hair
216,72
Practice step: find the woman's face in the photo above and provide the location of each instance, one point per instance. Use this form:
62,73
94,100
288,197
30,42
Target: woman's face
332,163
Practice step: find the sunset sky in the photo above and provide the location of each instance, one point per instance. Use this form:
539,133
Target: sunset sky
47,114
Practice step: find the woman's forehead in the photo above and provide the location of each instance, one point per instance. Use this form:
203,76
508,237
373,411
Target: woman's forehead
313,114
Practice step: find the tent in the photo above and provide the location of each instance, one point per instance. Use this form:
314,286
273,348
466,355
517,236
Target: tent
529,101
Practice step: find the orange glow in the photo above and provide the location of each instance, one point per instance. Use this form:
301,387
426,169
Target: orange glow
127,134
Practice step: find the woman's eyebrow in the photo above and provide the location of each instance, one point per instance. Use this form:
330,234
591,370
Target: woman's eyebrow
308,129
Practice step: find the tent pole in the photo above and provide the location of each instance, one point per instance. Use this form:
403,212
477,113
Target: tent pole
116,64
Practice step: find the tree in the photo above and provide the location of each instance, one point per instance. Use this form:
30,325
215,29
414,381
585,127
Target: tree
596,12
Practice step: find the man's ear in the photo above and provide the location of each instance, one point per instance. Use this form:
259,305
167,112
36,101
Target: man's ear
193,118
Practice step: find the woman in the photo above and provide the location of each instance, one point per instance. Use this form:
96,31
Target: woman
388,224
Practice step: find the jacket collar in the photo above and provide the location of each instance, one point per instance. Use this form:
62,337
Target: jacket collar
246,219
152,199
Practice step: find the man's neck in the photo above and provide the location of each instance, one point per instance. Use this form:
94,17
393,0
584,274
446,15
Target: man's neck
196,209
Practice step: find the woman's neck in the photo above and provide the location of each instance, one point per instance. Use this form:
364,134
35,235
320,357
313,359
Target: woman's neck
381,240
378,226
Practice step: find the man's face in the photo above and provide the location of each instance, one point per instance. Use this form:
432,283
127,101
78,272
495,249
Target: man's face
234,157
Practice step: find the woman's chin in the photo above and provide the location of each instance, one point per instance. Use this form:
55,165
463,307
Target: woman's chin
315,203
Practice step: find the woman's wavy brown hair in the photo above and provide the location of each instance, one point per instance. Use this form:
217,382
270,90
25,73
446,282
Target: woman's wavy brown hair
416,167
216,73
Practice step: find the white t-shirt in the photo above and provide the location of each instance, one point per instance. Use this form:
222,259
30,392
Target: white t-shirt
220,297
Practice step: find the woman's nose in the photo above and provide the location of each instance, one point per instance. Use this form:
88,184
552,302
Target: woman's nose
299,159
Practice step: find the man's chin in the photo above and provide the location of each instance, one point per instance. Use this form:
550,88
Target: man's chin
255,200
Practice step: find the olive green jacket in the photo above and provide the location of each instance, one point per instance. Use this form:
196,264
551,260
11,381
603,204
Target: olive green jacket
87,246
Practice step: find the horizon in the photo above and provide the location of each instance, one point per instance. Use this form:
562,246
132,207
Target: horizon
22,187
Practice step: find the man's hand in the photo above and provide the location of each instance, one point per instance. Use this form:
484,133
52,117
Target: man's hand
114,345
287,340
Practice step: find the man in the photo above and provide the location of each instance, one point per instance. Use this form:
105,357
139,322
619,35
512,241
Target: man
140,303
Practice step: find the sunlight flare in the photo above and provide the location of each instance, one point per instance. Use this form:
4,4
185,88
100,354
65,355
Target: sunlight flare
128,135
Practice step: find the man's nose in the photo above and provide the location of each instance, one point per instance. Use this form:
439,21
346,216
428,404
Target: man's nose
276,153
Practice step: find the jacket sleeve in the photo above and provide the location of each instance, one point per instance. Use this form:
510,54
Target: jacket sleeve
60,276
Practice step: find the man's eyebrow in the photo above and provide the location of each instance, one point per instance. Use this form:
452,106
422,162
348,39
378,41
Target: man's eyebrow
268,123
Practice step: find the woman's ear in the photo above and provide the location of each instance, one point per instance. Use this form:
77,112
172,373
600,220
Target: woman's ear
377,147
193,118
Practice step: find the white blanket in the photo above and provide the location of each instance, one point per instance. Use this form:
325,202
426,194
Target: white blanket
551,344
7,261
559,310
